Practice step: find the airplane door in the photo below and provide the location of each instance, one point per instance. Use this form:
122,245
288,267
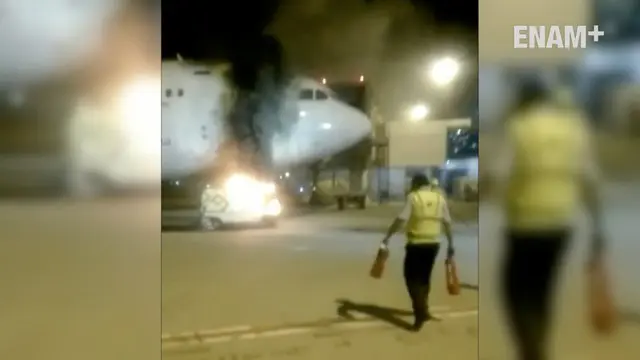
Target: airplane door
166,130
172,127
206,112
198,120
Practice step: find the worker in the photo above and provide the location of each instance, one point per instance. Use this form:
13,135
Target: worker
426,215
546,169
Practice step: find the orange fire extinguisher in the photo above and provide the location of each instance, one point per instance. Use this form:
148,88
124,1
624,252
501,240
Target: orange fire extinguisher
601,305
451,277
377,269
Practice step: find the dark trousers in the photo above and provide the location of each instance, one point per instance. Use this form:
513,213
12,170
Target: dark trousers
418,266
529,277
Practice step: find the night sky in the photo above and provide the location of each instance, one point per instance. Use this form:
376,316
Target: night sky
198,29
385,40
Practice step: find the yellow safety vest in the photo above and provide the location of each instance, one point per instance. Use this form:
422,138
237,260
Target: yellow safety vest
438,189
425,222
544,188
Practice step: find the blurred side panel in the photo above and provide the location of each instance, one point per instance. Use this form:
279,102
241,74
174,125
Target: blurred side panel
79,165
498,17
603,81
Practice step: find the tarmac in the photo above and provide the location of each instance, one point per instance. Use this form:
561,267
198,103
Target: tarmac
303,291
83,280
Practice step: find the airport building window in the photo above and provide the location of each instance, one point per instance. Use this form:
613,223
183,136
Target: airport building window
321,95
180,92
620,20
306,94
462,143
168,93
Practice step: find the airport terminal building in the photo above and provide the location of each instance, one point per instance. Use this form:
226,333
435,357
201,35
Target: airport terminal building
445,149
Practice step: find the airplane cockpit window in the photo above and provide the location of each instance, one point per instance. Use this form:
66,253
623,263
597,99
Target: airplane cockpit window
306,94
168,93
321,95
180,92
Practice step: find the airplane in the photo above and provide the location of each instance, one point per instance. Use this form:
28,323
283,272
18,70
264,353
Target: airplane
196,99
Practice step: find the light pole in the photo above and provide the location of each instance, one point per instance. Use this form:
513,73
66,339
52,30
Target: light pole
442,75
444,71
419,112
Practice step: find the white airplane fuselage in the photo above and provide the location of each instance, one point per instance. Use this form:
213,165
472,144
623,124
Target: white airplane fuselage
196,101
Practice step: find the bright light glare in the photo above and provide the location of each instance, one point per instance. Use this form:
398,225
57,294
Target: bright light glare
326,126
444,71
141,112
419,112
269,188
361,78
140,99
235,183
324,81
248,194
244,192
273,208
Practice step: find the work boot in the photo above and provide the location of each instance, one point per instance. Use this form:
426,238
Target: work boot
431,317
419,323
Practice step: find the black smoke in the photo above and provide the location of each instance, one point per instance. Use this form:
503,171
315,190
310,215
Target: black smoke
234,31
261,80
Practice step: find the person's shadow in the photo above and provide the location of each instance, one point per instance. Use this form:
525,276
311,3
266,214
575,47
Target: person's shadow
346,308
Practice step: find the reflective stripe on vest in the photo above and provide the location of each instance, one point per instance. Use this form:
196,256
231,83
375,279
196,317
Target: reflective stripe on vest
425,222
543,190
